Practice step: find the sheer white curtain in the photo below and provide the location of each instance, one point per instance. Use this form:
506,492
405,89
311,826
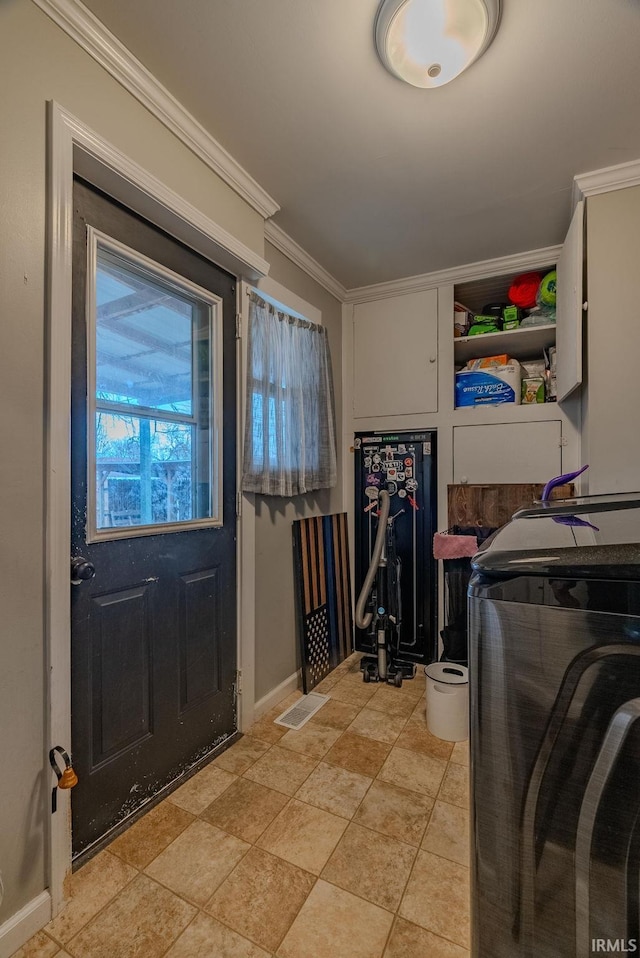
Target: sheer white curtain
290,440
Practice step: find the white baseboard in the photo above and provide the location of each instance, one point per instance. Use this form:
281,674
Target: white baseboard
24,924
275,696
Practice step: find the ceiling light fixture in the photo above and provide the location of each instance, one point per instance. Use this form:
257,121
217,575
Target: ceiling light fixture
427,43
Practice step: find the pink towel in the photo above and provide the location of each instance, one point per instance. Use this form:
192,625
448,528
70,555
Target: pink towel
447,546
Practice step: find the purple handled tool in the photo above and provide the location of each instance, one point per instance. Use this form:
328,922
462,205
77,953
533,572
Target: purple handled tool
560,481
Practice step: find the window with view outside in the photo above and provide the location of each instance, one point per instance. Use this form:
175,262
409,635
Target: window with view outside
153,449
290,442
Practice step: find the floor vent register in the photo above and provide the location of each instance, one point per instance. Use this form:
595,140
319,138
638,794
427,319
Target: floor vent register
301,711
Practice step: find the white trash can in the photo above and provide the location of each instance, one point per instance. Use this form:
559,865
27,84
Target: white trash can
447,695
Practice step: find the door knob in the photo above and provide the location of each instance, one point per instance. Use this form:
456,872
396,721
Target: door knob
66,776
81,569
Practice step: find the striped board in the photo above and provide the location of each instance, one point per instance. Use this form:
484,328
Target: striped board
323,593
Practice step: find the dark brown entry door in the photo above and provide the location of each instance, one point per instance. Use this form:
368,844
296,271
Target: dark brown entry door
153,511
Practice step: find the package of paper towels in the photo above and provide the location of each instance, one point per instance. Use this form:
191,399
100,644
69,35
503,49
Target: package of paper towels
477,387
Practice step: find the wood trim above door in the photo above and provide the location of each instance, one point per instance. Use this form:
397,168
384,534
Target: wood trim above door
124,180
73,148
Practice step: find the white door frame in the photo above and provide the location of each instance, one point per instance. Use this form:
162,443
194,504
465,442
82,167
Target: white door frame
73,148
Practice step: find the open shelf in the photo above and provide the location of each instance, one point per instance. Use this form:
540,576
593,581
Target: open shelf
526,343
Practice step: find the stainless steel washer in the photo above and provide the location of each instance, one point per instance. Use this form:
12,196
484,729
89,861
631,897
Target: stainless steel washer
554,641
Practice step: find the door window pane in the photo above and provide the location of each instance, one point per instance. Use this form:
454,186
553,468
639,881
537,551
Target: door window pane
144,339
154,417
144,472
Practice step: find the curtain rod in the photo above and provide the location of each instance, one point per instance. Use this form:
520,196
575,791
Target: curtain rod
283,315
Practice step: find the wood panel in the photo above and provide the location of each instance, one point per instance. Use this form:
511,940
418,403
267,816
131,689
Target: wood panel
492,506
323,592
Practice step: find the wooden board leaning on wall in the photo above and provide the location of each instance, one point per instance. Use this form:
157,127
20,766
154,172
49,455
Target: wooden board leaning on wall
491,506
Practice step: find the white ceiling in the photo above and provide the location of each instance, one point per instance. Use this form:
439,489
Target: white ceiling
377,180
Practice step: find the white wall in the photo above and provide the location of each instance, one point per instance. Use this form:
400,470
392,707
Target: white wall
40,63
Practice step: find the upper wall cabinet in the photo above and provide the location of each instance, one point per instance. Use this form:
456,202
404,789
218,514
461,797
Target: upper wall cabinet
569,307
528,342
395,364
525,344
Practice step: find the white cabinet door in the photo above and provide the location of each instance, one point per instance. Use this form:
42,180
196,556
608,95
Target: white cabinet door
507,452
395,363
611,422
569,308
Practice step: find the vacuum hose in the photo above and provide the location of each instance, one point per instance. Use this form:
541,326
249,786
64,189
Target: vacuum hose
363,621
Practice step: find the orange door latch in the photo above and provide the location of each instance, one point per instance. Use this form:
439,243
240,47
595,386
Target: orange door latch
67,778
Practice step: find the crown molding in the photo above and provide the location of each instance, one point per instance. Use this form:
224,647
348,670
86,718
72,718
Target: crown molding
517,262
94,38
110,170
607,179
277,237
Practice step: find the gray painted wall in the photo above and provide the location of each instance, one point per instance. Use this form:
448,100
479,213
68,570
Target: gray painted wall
39,63
613,329
277,655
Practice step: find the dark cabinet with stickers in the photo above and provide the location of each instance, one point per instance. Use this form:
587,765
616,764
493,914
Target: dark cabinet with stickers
403,463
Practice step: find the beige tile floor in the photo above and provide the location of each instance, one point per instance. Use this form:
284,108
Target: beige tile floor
346,839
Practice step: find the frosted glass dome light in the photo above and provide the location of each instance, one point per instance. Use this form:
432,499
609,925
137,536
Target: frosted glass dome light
427,43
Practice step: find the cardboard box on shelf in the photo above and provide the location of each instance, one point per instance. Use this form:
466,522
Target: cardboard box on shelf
486,362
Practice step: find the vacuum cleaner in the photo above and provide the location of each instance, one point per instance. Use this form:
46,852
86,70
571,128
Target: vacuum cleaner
379,606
